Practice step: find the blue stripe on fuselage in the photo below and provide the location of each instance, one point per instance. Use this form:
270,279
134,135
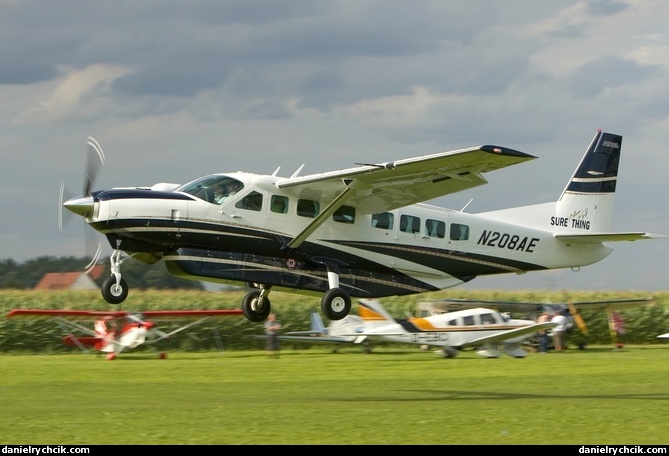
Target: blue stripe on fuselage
139,193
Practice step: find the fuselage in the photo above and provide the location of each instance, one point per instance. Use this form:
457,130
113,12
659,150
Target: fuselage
245,239
453,329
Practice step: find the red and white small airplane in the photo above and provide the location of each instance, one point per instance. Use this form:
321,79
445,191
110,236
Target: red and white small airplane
115,331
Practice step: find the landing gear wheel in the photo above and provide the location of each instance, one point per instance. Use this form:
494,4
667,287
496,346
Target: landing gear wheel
254,308
336,304
113,293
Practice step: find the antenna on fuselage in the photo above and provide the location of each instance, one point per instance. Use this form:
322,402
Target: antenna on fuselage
296,173
276,172
465,206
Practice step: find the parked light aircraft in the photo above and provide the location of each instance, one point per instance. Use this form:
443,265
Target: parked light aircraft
485,329
571,309
361,232
116,331
318,333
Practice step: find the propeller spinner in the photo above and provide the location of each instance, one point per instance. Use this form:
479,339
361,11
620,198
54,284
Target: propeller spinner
83,204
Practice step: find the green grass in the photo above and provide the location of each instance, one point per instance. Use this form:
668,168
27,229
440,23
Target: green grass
392,396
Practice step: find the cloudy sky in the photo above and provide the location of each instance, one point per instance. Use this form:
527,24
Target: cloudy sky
176,90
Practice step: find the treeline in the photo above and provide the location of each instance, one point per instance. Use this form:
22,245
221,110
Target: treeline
22,276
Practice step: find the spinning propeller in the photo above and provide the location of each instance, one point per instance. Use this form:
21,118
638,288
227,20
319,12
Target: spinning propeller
83,204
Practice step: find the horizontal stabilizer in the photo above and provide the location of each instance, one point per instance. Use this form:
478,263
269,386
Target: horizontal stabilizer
315,339
71,341
597,238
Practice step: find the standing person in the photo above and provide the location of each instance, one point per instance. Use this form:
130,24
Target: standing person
542,336
272,327
560,331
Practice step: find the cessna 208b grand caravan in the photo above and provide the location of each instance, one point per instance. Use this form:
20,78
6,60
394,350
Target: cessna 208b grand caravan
360,232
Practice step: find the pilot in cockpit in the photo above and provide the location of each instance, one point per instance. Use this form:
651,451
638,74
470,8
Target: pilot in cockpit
224,191
219,193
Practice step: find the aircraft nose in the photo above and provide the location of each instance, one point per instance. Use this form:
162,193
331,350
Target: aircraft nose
80,205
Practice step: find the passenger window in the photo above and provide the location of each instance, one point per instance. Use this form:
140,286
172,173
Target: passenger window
345,214
468,320
409,224
459,232
251,202
435,228
308,208
383,221
279,204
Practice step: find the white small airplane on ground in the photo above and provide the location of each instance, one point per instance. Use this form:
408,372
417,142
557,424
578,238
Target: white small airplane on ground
484,329
572,309
115,332
318,333
356,232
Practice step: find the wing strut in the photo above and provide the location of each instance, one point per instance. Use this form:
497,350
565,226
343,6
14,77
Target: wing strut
348,192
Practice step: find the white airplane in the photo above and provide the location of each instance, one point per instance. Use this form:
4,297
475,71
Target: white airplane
116,331
571,309
484,329
318,333
664,336
358,232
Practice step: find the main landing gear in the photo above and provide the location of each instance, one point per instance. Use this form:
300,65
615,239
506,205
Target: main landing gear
335,304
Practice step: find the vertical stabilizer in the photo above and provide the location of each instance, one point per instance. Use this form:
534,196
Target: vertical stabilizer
317,326
586,204
101,328
371,311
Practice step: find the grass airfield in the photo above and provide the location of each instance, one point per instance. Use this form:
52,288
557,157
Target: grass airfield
312,396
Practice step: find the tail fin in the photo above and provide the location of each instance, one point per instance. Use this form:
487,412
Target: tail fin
584,212
101,333
317,325
371,311
101,328
586,204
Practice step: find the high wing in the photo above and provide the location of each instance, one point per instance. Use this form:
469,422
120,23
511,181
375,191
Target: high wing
375,188
510,334
511,306
100,315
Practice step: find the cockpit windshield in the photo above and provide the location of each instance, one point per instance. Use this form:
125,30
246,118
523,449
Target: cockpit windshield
215,189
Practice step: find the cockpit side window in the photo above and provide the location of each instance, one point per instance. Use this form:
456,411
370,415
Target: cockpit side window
215,189
487,319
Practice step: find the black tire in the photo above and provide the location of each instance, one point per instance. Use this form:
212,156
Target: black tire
112,293
336,304
254,309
